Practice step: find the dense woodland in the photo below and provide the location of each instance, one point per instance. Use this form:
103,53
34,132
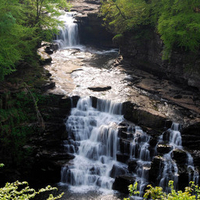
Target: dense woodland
176,21
23,25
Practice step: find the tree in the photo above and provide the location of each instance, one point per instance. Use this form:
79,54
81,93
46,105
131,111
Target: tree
179,24
23,25
122,15
13,36
43,15
177,21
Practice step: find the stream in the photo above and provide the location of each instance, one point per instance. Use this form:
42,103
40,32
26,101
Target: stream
75,68
95,131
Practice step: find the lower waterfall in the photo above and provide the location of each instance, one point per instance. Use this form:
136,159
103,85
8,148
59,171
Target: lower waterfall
106,146
93,138
170,170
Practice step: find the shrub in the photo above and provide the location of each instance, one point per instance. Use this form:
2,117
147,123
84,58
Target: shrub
21,190
191,192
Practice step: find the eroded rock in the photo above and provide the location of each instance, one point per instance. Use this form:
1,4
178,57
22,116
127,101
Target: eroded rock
99,88
122,182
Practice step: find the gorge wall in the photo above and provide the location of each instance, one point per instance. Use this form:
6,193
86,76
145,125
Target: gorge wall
145,51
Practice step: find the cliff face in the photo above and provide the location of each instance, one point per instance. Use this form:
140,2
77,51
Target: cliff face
90,23
146,52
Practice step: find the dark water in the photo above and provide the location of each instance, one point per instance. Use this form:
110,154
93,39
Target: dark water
68,195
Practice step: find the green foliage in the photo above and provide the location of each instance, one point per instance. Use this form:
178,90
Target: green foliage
133,190
1,165
15,38
191,193
21,190
177,21
179,25
43,16
123,15
23,25
17,111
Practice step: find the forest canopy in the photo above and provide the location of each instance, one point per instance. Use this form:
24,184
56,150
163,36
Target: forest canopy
23,25
177,21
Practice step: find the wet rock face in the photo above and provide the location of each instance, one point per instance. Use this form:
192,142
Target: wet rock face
90,23
122,182
150,49
191,140
191,137
47,154
92,31
157,164
142,117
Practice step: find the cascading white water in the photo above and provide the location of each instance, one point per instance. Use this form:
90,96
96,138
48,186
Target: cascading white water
170,170
97,144
94,135
139,151
68,36
193,174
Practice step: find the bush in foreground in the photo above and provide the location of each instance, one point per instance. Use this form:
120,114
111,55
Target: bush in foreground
192,192
21,190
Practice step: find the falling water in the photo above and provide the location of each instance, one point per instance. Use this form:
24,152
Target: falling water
170,170
93,137
100,139
139,154
68,36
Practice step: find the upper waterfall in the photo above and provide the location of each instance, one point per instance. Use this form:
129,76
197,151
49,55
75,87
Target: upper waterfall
68,36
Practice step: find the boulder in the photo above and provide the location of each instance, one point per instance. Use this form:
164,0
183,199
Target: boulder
180,156
124,146
142,117
191,136
132,165
47,86
117,170
122,182
154,176
99,88
163,149
122,157
45,58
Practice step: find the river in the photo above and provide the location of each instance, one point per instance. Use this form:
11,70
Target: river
94,136
77,70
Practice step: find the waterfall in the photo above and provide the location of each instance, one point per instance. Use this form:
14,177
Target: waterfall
140,155
93,137
170,170
106,146
68,36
